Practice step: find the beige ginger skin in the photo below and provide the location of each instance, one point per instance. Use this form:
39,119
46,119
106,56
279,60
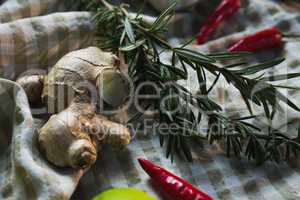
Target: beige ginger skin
76,132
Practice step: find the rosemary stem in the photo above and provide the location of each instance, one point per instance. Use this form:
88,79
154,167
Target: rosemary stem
107,5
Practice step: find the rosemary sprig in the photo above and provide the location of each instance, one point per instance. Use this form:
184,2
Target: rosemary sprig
141,45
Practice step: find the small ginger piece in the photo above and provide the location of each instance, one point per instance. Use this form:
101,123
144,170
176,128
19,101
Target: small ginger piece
73,137
63,141
108,132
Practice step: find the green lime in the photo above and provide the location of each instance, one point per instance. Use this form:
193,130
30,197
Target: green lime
123,194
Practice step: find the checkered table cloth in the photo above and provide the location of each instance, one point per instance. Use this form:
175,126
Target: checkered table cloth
34,34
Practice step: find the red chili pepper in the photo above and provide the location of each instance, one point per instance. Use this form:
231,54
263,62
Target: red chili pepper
262,40
174,187
225,9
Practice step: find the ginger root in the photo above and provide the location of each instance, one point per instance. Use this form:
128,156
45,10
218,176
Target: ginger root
77,131
85,70
73,137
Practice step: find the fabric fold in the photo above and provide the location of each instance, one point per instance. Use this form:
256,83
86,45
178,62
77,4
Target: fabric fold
24,173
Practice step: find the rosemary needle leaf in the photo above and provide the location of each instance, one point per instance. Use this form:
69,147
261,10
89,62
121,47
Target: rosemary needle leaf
163,19
229,55
280,77
170,147
245,118
257,68
129,30
161,139
287,101
193,55
214,83
235,65
122,37
185,148
287,87
131,47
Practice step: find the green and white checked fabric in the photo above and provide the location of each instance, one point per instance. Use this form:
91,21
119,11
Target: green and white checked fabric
34,34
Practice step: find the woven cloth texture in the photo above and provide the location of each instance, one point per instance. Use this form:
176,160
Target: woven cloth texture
34,34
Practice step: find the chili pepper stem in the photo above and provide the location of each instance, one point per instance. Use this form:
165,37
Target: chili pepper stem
290,35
